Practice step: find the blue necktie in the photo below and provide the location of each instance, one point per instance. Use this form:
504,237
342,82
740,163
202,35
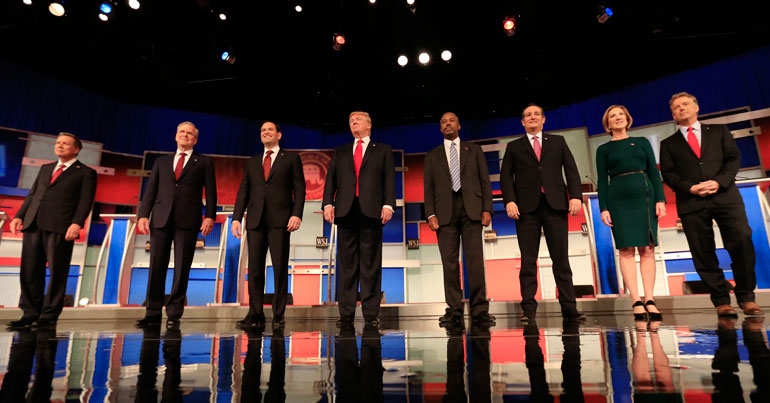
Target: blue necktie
454,167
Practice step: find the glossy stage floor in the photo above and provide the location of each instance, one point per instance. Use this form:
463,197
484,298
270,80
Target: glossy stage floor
690,356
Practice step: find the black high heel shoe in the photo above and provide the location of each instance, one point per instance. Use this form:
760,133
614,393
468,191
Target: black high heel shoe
640,317
654,316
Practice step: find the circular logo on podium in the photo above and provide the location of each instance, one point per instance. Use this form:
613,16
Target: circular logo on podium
314,165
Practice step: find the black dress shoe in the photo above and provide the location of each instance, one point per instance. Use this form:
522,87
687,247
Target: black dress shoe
43,324
22,323
344,322
484,318
576,316
372,322
527,317
279,321
148,322
450,317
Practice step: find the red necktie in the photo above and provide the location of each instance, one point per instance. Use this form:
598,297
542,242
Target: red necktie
179,165
536,146
693,141
538,151
358,156
57,173
266,164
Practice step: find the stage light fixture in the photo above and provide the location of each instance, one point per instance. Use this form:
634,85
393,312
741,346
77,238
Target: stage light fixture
27,2
104,17
222,16
338,42
509,26
424,58
298,8
134,4
105,8
403,60
372,1
57,8
227,57
446,55
604,14
410,2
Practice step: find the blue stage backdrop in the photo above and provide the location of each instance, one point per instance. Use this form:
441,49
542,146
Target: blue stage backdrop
31,101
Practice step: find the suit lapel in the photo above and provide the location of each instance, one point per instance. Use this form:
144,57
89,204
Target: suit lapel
67,172
528,148
679,138
47,172
278,158
370,149
464,151
705,139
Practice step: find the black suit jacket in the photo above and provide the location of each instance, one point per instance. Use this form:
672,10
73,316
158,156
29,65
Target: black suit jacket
720,161
165,194
67,201
281,196
376,188
522,175
474,178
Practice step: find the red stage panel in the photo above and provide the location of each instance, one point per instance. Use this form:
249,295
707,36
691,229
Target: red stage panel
229,171
507,346
119,188
427,236
306,288
675,285
669,221
413,178
11,204
576,222
503,280
305,348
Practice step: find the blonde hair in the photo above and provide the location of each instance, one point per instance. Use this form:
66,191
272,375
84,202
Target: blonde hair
362,113
606,117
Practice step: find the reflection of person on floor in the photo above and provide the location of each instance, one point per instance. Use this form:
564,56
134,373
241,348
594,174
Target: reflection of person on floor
41,346
148,366
727,384
358,381
658,379
252,368
478,365
572,383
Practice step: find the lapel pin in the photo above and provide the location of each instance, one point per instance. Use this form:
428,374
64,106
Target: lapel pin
196,160
466,148
633,144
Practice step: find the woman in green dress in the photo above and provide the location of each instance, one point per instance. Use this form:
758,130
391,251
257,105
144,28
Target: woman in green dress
631,199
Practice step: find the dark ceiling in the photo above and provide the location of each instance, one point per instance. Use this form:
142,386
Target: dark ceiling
167,53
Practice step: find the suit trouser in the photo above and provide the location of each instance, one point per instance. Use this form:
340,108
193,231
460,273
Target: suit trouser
358,380
160,253
736,236
259,240
473,253
38,247
359,263
555,227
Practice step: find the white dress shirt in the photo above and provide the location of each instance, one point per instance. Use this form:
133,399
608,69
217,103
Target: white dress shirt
188,153
272,156
695,129
539,136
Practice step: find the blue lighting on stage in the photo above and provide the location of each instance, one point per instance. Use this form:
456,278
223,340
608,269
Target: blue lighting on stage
106,8
608,11
225,55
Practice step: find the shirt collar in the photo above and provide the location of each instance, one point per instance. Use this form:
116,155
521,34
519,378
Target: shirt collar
448,143
539,136
274,150
187,153
67,164
366,140
695,127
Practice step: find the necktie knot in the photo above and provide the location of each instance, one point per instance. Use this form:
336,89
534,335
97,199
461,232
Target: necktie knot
268,152
58,172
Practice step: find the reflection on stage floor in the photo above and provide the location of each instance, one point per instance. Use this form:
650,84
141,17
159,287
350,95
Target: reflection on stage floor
690,356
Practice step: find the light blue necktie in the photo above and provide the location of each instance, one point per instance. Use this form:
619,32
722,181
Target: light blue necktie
454,167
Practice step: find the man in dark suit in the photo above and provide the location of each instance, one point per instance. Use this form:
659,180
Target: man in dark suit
173,196
458,202
273,191
699,162
536,197
51,217
359,196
